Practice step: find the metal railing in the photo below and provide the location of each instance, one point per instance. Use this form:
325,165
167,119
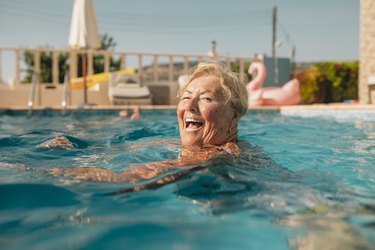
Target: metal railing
65,96
34,85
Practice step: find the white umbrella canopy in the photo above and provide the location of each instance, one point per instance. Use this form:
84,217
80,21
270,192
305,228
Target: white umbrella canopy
83,28
84,33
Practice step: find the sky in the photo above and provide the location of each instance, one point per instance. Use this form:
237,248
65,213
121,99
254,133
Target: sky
320,30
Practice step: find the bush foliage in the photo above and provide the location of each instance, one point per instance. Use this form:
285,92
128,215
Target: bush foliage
327,82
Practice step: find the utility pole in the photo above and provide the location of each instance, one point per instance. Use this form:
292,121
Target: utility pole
274,20
293,59
213,46
212,53
274,46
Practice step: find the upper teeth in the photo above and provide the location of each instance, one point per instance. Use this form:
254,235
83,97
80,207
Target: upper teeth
191,120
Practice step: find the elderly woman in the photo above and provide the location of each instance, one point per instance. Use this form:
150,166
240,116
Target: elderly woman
211,104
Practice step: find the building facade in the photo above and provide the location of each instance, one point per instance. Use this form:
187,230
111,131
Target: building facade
367,52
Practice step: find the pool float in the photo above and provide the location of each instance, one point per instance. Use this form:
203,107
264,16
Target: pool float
92,80
288,94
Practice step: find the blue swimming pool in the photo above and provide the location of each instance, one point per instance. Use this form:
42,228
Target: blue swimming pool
301,182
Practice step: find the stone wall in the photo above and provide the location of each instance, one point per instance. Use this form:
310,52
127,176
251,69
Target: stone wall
367,51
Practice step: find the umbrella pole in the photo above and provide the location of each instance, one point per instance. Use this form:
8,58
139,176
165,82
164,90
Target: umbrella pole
84,57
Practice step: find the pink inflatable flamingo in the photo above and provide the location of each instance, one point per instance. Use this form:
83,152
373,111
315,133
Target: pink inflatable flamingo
288,94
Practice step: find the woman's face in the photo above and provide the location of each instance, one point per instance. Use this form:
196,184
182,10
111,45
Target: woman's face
203,116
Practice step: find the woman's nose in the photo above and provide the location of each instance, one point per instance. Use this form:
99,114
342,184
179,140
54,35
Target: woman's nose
192,105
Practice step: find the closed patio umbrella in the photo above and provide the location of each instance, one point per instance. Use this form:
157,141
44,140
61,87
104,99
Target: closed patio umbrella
84,33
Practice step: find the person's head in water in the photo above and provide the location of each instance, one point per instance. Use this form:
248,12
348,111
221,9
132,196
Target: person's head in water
125,113
211,104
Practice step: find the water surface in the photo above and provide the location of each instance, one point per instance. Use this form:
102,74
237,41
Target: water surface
299,182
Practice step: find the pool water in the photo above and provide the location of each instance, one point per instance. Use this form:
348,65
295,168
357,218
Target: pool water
300,183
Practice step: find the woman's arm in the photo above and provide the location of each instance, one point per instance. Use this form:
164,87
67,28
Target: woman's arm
190,158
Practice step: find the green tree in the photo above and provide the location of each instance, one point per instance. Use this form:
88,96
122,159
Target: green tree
45,66
235,67
107,43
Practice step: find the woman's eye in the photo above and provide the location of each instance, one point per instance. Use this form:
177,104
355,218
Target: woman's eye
208,99
185,98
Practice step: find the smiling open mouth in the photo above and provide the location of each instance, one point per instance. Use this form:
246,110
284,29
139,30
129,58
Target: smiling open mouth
193,124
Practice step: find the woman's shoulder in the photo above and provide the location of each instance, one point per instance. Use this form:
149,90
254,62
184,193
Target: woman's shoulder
206,152
231,148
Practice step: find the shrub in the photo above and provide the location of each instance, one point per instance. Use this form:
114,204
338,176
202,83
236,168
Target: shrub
327,82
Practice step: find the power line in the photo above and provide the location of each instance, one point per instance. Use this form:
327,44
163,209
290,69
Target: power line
160,29
286,33
53,10
139,22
